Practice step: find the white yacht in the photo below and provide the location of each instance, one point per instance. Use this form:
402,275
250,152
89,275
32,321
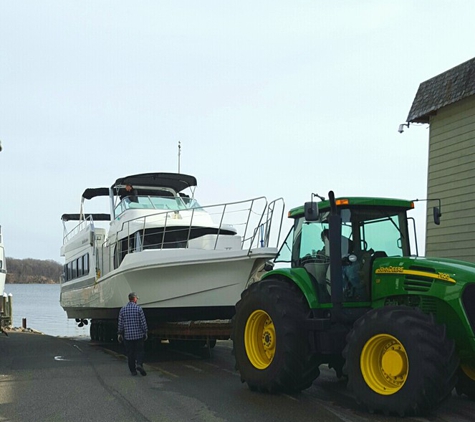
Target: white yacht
185,261
3,264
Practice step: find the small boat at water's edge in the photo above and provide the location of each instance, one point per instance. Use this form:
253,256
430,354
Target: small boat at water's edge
185,261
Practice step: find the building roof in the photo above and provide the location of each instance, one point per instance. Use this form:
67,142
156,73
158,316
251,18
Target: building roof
441,90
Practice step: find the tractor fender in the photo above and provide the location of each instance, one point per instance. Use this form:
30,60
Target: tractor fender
299,277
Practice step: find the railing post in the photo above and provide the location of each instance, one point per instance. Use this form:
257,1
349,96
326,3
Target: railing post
143,235
220,224
164,230
189,227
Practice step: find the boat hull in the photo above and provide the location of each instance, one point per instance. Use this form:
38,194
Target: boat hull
172,285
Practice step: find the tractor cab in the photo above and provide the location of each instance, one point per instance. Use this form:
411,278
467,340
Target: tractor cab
340,248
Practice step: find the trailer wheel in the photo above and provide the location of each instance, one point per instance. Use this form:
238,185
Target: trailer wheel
398,360
270,342
466,381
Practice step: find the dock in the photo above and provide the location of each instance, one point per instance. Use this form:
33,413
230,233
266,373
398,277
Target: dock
6,311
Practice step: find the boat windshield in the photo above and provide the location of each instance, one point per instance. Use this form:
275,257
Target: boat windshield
165,203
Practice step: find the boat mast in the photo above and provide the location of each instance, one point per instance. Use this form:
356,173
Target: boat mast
179,154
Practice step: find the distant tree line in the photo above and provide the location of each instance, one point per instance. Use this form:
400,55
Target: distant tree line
26,271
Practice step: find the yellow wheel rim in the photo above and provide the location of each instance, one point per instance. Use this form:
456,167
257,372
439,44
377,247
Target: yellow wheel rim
469,371
384,364
259,339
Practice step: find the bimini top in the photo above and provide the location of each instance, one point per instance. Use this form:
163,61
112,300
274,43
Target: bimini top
175,181
140,182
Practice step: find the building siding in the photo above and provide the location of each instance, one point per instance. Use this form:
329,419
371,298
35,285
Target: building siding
451,178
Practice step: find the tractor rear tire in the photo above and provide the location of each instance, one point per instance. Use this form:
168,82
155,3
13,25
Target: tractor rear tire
398,360
466,381
270,341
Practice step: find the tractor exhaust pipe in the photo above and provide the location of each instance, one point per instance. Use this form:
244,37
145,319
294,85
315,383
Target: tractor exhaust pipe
334,222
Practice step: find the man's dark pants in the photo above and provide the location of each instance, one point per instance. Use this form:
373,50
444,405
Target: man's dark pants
135,352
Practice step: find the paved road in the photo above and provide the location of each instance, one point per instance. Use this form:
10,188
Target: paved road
45,378
213,381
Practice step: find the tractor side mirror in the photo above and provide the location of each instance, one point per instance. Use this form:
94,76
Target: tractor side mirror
437,215
311,211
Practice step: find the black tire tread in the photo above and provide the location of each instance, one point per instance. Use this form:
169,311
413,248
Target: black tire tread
465,385
296,367
431,355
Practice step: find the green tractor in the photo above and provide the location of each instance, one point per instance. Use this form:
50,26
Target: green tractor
398,326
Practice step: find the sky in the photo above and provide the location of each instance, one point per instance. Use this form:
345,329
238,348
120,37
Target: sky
269,98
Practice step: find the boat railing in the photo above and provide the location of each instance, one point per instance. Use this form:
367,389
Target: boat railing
83,224
267,230
254,223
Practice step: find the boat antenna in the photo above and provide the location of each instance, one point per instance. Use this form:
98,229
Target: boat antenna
179,154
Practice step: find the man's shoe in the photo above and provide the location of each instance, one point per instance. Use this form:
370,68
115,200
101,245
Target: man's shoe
141,370
133,373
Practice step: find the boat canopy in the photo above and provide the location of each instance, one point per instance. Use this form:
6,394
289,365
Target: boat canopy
93,192
175,181
140,182
80,217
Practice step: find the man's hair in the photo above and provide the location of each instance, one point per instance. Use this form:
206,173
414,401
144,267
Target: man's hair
132,295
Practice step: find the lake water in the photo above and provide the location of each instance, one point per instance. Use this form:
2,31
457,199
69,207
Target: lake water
39,304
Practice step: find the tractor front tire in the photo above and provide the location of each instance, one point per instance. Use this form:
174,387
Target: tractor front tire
270,341
398,360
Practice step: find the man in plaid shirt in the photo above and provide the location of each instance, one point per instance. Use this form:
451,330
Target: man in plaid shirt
132,331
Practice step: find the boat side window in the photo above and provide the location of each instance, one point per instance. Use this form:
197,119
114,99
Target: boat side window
158,202
67,271
168,203
86,264
76,268
147,202
161,203
120,208
190,202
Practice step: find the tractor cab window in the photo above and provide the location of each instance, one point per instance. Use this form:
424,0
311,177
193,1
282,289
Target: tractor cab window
305,241
306,246
314,243
381,231
285,252
314,240
381,235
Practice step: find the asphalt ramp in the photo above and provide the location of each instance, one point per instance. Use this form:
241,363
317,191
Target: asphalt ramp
44,378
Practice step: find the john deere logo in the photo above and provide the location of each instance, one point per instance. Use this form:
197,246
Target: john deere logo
386,270
427,274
